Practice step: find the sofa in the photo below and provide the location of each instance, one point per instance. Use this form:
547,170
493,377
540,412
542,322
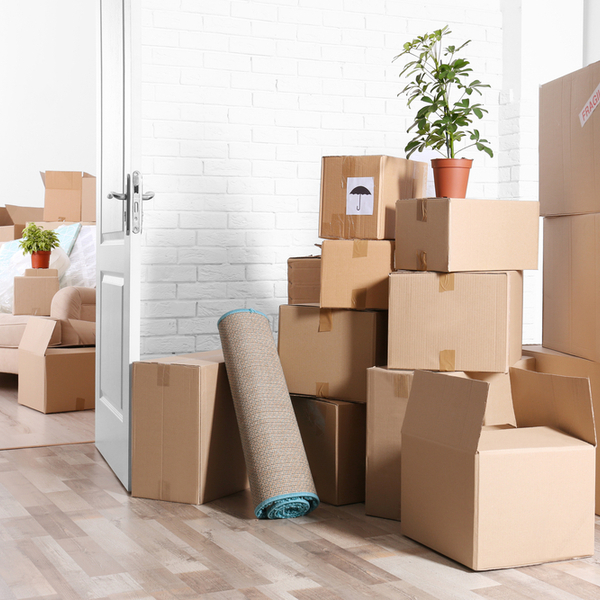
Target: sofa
74,308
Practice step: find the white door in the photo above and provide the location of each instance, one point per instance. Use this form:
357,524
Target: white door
118,227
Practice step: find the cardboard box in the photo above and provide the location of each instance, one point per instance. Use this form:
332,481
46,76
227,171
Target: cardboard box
359,193
333,433
186,444
550,361
14,218
326,352
457,234
33,293
569,153
54,379
387,397
70,196
499,497
572,285
304,280
455,321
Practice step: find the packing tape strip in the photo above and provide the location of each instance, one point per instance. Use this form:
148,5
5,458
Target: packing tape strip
447,360
325,320
402,383
422,261
446,281
360,248
163,375
335,227
422,210
322,389
359,298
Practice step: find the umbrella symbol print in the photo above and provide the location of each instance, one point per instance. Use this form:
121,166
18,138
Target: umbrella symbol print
360,191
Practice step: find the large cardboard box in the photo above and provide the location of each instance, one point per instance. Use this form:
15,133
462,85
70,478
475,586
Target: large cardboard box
499,497
14,218
70,196
304,280
455,321
358,194
569,153
458,234
550,361
333,433
54,379
33,292
571,322
186,444
387,397
326,352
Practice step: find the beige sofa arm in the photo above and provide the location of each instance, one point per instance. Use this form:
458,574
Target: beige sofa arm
71,305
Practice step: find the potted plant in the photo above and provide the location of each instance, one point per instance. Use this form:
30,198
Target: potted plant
39,243
441,82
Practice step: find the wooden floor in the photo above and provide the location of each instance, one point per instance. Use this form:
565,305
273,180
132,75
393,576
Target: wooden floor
23,427
68,530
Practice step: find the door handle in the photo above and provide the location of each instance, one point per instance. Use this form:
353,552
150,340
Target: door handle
137,199
117,195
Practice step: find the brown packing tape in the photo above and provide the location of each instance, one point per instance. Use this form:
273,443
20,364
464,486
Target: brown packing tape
447,282
422,210
402,385
325,320
422,261
79,403
360,248
163,374
447,360
322,389
336,225
359,298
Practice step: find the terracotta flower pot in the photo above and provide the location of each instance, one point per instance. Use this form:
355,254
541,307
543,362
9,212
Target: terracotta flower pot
40,259
451,176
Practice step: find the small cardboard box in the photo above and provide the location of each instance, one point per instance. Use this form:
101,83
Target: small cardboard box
354,273
33,293
304,280
326,352
70,196
54,379
14,218
499,497
358,194
455,321
186,444
387,397
572,285
569,155
550,361
333,433
457,234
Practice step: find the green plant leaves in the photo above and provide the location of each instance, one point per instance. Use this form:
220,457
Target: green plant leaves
37,239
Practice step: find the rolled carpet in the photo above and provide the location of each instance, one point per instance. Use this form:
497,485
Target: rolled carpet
281,483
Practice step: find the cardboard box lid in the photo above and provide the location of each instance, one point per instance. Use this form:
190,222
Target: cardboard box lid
446,410
62,180
41,272
10,214
37,335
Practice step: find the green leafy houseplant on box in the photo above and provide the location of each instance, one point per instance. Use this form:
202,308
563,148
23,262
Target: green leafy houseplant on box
441,82
39,243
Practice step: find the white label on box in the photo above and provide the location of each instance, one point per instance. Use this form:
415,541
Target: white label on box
359,195
590,106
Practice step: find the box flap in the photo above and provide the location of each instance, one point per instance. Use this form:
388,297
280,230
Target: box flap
62,180
445,409
37,335
564,403
24,214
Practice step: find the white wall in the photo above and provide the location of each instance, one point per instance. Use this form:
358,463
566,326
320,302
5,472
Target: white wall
241,100
48,97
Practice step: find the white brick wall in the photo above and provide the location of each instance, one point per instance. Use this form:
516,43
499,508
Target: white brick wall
241,100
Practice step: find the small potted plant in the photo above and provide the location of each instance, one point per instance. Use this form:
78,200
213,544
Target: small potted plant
441,82
39,243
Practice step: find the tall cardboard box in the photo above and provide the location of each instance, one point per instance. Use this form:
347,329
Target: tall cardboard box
499,497
571,322
333,434
185,440
14,218
304,280
358,194
70,196
569,153
33,292
458,234
54,379
558,363
455,321
326,352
